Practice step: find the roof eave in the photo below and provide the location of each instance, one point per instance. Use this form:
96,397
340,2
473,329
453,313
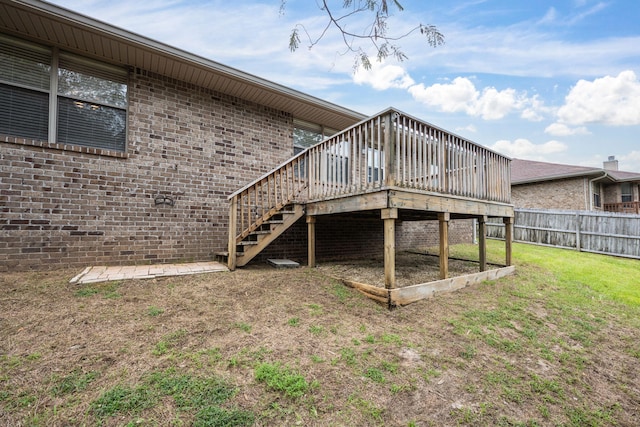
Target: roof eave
561,176
305,106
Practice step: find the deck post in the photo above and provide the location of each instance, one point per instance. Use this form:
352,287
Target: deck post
508,238
389,149
389,216
233,226
443,218
311,240
482,241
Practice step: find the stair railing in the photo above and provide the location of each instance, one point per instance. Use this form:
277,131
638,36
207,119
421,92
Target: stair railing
389,150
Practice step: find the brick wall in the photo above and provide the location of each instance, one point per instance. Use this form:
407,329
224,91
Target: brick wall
572,194
423,234
343,238
73,208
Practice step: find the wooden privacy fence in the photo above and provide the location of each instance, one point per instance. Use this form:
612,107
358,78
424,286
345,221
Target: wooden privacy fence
598,232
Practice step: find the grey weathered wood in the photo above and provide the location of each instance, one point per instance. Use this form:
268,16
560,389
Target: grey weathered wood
482,242
409,294
389,217
354,170
311,241
598,232
443,219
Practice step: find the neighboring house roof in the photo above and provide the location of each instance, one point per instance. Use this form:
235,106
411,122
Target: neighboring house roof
68,30
529,171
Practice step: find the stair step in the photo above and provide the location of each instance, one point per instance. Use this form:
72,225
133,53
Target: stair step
265,232
222,257
274,221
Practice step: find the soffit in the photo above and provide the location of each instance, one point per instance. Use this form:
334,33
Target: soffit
55,26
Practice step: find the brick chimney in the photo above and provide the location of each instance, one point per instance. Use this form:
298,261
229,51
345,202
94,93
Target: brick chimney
611,164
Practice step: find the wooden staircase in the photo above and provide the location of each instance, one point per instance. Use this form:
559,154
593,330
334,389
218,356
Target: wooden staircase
388,151
265,232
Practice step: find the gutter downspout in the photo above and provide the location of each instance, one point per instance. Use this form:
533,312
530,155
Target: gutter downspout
591,181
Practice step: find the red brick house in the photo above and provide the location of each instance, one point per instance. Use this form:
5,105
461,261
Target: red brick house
557,186
118,149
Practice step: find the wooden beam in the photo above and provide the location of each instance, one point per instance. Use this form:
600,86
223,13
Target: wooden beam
233,224
482,241
389,149
508,239
443,218
434,202
311,240
409,294
362,202
389,216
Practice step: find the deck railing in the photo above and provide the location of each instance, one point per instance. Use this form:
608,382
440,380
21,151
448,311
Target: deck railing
389,150
623,207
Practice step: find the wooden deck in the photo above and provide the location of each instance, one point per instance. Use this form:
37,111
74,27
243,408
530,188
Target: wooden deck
622,207
391,166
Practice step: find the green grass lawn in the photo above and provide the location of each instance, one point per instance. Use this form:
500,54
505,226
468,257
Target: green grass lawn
611,277
555,344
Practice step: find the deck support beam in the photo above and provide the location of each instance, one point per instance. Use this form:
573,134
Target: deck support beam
443,219
508,239
482,242
389,216
233,225
311,241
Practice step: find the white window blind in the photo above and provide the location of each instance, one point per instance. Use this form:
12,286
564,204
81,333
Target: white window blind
91,98
92,101
25,71
24,64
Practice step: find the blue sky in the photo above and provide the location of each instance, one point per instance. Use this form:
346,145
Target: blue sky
555,81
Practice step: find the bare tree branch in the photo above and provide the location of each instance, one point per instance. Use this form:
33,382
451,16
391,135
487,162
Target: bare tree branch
375,32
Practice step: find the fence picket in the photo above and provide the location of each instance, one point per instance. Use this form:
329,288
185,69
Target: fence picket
598,232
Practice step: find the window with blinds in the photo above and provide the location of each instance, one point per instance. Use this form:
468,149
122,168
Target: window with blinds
25,71
61,97
92,102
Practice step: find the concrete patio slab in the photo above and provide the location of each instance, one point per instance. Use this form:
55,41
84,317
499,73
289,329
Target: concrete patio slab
108,274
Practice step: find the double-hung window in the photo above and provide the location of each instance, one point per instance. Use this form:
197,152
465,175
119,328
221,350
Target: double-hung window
627,193
62,98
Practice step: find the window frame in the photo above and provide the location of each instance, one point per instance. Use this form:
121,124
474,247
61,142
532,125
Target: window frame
111,75
597,197
626,197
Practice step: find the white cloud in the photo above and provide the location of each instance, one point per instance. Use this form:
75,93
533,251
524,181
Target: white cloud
454,97
461,96
383,76
560,129
534,109
608,100
630,162
468,128
524,149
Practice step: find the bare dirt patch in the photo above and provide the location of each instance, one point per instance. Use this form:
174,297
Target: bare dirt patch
412,268
503,353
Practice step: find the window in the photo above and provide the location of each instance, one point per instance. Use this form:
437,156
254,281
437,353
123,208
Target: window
337,168
303,139
60,97
596,195
25,80
335,163
627,194
375,165
306,134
